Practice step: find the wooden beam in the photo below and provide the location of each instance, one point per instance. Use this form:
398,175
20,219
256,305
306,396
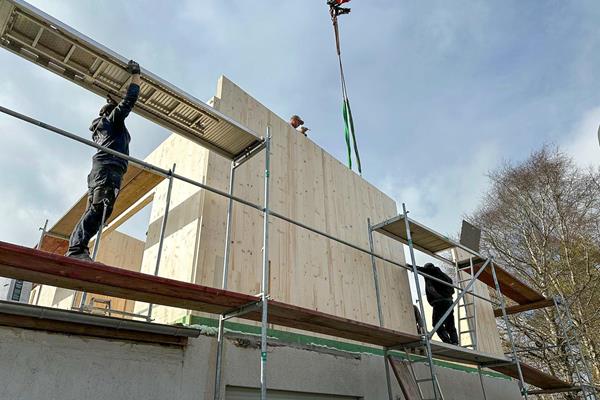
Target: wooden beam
511,286
36,266
533,376
76,328
551,391
137,183
130,212
525,307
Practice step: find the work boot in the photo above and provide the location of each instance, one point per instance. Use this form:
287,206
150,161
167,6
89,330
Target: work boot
84,256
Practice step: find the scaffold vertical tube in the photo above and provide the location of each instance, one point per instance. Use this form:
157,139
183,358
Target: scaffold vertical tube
481,381
265,272
163,229
379,309
509,331
474,307
221,334
420,301
44,229
587,389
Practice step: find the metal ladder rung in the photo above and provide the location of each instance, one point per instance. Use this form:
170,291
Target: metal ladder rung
469,331
465,318
466,304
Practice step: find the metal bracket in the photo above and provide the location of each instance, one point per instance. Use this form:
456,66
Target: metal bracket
245,309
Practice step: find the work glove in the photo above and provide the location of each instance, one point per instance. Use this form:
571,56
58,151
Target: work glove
133,67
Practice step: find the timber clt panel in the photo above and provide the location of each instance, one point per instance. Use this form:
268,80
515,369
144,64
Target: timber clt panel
37,266
136,184
53,45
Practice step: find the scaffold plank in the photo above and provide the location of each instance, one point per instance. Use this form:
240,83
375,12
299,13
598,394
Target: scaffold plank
510,285
55,46
20,262
431,242
533,376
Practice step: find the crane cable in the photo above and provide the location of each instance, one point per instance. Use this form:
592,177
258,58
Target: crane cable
335,10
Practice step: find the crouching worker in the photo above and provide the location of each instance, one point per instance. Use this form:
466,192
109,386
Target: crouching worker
104,181
439,296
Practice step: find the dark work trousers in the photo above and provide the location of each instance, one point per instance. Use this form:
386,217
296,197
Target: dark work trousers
447,331
104,182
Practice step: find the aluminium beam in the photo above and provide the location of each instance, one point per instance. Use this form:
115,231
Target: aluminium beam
53,45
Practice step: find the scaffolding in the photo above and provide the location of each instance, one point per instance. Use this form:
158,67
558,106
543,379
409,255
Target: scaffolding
24,32
433,349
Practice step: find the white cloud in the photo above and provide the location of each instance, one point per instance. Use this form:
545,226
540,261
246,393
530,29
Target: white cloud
443,195
583,142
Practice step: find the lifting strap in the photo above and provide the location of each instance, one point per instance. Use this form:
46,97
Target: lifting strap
335,10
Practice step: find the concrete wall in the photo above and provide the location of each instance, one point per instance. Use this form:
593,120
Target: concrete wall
36,365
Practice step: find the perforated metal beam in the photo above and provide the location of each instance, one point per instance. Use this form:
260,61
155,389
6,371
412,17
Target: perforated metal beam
53,45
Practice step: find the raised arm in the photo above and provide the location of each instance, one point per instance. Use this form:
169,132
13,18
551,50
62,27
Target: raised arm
123,109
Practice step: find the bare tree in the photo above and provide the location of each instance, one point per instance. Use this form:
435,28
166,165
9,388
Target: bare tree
541,219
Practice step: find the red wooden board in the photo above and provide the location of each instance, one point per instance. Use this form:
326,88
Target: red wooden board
533,376
41,267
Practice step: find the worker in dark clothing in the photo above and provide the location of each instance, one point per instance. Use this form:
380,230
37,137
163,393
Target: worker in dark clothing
419,320
439,296
104,181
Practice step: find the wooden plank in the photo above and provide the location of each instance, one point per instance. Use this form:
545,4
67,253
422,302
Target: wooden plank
136,183
405,378
510,286
464,355
525,307
422,236
533,376
36,266
130,212
75,328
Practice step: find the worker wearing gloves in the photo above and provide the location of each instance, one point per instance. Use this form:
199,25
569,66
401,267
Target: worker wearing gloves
439,296
104,181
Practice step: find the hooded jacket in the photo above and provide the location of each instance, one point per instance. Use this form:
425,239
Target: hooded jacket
110,131
436,291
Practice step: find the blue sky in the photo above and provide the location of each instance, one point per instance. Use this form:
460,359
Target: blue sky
441,91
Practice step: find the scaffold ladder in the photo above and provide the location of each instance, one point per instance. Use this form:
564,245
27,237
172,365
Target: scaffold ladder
407,378
570,337
466,309
425,342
